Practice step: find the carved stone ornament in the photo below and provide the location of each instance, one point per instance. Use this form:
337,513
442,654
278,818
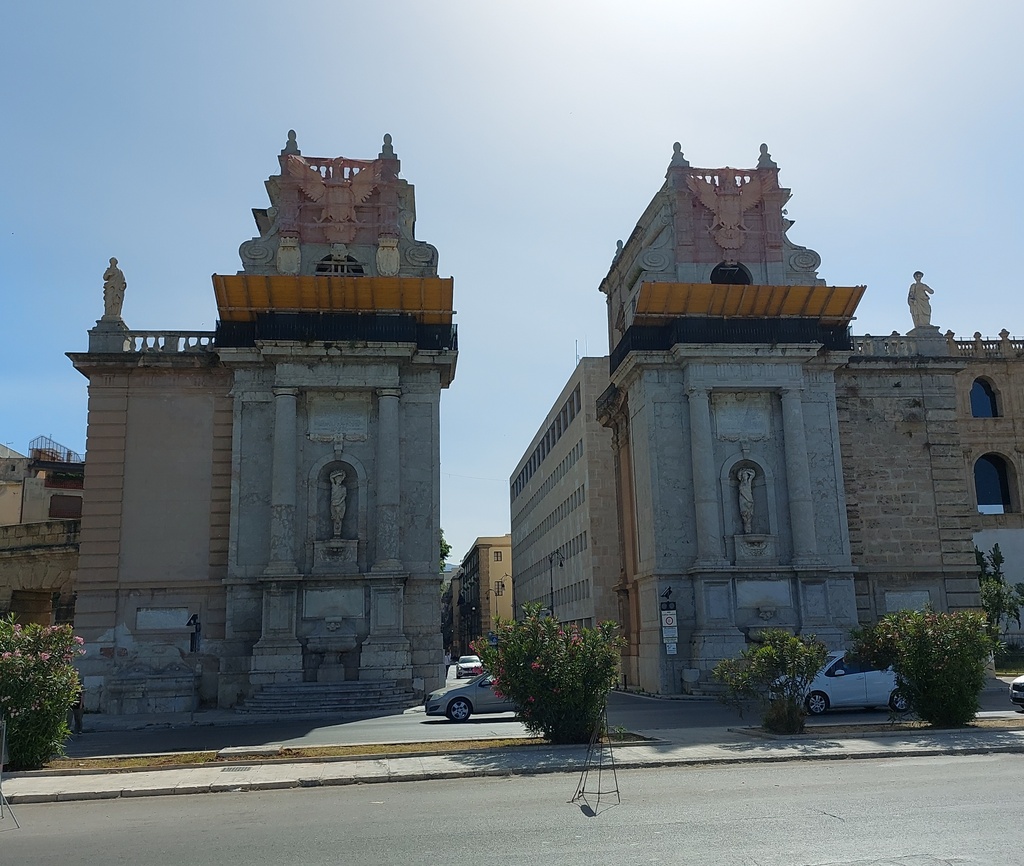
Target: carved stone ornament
388,260
337,196
728,195
289,256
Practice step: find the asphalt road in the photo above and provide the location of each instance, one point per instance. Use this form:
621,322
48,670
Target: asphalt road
633,712
901,812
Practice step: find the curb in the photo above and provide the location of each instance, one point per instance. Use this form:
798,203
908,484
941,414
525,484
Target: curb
567,767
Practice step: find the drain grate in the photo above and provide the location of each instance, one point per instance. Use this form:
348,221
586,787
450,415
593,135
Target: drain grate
235,769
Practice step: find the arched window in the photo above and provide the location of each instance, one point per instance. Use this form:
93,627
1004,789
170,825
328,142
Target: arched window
730,274
992,484
983,400
339,267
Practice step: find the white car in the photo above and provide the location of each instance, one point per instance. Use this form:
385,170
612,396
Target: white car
468,666
849,683
1017,692
459,702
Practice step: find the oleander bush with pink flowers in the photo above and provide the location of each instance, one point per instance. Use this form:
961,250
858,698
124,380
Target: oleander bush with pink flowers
38,684
556,676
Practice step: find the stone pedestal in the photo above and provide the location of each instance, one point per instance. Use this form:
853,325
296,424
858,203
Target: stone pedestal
109,335
928,341
386,653
277,656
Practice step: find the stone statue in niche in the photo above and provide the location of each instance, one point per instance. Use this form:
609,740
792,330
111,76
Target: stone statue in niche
339,500
920,306
745,477
113,291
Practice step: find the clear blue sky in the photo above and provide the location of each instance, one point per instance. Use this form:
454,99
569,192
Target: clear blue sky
535,134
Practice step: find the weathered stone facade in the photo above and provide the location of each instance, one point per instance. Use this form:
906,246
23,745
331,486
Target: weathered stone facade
262,503
772,471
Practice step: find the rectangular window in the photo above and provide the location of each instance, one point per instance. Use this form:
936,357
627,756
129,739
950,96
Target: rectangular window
497,556
65,507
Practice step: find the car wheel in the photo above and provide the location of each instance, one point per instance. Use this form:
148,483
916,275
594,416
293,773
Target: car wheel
817,703
898,703
459,710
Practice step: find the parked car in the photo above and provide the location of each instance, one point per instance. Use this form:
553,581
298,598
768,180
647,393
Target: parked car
468,666
458,703
844,682
1017,692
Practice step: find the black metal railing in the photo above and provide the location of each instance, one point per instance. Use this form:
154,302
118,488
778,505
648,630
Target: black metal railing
694,329
336,328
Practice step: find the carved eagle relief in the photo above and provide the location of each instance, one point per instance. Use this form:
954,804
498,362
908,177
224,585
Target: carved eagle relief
338,197
728,200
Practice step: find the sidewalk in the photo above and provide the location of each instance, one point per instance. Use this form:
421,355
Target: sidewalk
683,747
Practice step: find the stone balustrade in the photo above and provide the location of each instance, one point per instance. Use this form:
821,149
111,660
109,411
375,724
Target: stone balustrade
898,345
172,342
1005,347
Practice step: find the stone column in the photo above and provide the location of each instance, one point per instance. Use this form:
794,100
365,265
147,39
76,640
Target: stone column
388,487
705,488
801,505
283,483
277,656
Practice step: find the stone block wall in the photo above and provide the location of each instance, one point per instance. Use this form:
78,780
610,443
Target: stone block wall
906,487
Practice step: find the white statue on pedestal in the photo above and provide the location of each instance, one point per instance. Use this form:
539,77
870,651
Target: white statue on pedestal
339,497
746,496
113,291
920,306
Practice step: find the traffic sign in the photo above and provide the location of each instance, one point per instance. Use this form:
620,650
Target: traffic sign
669,618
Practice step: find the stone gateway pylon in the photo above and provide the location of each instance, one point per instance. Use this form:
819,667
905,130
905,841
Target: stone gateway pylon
278,480
724,345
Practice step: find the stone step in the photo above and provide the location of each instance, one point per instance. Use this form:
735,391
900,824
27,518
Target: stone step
349,697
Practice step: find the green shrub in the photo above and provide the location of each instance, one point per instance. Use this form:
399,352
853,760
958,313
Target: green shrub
1000,601
939,660
556,676
777,673
38,684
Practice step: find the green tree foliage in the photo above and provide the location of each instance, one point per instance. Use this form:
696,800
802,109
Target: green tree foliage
776,673
446,549
556,676
38,684
939,660
1000,602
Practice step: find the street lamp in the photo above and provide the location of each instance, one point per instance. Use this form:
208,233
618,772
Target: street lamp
555,554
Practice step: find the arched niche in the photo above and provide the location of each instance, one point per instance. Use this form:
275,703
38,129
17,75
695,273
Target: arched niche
765,516
319,522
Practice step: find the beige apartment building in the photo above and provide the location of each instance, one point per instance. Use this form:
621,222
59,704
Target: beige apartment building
481,591
563,508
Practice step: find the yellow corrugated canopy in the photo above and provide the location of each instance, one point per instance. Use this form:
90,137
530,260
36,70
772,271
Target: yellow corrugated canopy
241,296
828,304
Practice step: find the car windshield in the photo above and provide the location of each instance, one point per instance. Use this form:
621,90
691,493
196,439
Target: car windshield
469,660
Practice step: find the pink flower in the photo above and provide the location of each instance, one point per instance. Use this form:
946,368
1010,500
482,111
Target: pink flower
529,700
535,666
79,640
44,657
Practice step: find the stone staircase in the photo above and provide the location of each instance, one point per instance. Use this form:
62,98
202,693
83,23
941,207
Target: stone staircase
349,699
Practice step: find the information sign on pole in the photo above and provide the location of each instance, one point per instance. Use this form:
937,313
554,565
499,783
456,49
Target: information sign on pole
670,649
